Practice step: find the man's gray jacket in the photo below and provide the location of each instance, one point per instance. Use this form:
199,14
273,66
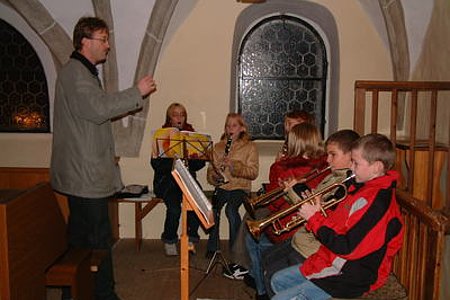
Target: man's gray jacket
83,156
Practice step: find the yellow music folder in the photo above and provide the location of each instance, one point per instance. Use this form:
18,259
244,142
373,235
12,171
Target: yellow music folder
173,143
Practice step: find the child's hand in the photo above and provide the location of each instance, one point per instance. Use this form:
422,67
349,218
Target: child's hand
287,183
308,209
226,162
309,194
216,177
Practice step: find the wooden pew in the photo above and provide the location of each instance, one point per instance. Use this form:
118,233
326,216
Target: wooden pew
418,265
23,178
33,241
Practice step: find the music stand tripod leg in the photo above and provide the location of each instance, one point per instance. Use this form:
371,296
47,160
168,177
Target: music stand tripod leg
218,256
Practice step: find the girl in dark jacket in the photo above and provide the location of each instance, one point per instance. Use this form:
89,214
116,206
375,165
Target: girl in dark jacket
165,186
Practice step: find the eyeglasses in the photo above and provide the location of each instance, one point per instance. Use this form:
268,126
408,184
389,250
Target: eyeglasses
104,40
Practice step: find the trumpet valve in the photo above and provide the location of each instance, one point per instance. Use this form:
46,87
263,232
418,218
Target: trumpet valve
291,196
324,213
277,227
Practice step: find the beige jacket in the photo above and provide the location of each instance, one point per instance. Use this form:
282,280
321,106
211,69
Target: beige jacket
303,241
244,165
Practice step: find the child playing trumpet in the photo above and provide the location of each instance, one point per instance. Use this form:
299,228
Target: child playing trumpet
305,153
303,243
358,239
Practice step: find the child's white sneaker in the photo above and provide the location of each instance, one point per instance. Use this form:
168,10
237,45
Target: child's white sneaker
171,249
192,249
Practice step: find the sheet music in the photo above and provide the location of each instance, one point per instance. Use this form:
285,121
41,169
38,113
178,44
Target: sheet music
173,143
193,188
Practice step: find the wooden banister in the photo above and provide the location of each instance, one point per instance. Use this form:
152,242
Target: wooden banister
412,107
427,162
418,265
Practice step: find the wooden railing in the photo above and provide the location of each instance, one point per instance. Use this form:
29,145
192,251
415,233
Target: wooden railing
408,113
412,124
418,264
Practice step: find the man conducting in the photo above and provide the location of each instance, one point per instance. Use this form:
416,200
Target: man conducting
83,165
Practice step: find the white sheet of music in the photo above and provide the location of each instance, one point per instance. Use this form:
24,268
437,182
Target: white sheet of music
193,188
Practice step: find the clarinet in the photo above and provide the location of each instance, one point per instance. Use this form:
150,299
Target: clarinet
221,171
228,146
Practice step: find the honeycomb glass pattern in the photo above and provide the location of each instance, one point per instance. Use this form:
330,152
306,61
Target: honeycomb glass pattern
24,104
282,67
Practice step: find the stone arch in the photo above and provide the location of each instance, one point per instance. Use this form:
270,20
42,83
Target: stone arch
102,9
53,35
398,42
129,133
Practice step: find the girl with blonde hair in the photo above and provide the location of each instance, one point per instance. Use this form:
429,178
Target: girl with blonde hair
237,158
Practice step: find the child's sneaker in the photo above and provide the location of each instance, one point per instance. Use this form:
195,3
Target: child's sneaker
192,249
171,249
237,272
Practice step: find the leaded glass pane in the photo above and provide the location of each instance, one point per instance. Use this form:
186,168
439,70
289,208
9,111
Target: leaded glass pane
282,67
24,105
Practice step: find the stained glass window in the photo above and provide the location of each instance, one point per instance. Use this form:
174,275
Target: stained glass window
24,103
282,67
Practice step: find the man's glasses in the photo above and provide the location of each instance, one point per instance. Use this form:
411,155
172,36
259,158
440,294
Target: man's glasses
104,40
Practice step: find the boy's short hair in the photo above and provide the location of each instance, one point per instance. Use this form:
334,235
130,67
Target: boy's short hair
376,147
343,138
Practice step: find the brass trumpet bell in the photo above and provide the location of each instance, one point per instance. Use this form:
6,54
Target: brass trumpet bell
256,226
253,203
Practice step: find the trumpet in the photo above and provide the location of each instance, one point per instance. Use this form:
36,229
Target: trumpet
251,204
256,226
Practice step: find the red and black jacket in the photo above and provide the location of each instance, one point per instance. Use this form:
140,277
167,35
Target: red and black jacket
359,240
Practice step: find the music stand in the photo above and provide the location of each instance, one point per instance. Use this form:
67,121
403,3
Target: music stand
173,143
217,257
193,199
182,146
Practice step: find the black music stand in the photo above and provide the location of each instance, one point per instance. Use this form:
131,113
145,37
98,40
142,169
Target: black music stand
173,143
217,256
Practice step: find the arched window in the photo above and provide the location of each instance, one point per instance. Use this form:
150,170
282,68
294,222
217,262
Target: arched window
282,66
24,101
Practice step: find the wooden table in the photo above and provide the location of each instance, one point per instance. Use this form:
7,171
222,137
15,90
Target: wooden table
142,207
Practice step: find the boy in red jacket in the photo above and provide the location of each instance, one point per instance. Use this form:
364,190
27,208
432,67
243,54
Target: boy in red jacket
359,238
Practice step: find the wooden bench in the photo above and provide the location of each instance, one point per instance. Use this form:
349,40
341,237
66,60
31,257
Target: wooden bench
392,290
34,250
424,164
73,269
417,267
